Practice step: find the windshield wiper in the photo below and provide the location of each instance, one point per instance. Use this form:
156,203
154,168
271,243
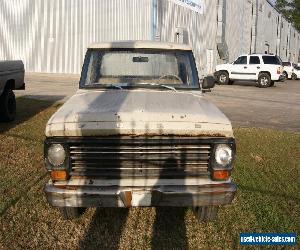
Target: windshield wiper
160,85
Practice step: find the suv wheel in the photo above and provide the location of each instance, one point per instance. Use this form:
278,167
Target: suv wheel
294,76
223,77
7,106
285,75
206,213
70,213
264,80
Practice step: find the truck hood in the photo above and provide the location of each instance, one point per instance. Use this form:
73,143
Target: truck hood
138,112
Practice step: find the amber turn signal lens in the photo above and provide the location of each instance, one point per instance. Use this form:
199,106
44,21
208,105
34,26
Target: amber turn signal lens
220,175
59,175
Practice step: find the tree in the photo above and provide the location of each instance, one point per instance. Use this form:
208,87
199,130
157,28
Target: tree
290,9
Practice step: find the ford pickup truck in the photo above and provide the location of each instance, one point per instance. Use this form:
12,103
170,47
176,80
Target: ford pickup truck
11,78
139,133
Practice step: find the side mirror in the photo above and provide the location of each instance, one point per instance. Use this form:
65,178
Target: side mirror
208,83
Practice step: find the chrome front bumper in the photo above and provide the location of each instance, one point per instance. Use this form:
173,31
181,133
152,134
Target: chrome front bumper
175,196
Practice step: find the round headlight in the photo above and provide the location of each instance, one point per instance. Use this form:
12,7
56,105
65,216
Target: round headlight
56,154
223,155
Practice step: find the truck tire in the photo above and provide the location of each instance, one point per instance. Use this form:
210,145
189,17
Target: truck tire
223,78
294,76
7,106
70,213
285,75
206,213
264,80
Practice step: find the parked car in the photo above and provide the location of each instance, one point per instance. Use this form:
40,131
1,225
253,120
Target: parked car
261,68
139,133
11,78
296,73
288,70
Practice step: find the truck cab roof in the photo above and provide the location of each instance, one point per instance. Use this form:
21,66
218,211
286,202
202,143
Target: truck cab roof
140,45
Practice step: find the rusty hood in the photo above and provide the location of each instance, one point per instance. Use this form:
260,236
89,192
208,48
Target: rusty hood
138,112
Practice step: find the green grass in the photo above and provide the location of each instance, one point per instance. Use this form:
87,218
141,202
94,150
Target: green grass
267,172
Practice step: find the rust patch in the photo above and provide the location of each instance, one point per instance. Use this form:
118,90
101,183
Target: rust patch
127,198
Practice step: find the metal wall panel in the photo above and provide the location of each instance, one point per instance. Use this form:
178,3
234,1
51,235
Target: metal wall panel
238,27
284,48
52,35
294,45
267,28
201,30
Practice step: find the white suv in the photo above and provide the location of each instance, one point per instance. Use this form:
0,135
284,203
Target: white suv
262,68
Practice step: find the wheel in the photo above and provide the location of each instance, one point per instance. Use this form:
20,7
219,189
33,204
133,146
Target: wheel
223,78
264,80
272,84
7,106
70,213
206,213
285,75
294,76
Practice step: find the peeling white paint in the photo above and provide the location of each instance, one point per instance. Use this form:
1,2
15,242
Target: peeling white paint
138,112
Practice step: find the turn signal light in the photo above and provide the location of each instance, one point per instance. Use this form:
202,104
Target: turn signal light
279,71
220,175
59,175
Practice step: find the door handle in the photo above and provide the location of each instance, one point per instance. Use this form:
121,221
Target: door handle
258,67
245,67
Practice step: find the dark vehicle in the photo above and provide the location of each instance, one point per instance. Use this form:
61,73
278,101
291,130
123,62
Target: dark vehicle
11,78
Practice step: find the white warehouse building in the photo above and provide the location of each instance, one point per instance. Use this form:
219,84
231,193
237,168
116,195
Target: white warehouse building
51,36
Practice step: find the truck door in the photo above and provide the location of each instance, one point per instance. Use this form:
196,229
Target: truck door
239,69
254,67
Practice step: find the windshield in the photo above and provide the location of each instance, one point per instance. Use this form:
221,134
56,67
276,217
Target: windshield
296,66
104,69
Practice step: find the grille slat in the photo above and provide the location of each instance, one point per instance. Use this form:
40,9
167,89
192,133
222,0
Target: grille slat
139,157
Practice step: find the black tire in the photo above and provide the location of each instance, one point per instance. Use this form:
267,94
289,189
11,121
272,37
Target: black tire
285,75
264,80
294,76
70,213
206,213
7,106
223,77
272,84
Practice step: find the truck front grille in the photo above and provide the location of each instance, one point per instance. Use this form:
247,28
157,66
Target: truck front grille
166,157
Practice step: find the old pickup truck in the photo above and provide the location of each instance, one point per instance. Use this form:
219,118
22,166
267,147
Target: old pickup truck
11,78
139,133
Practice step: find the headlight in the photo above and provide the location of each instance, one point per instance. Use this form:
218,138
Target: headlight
223,155
56,154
